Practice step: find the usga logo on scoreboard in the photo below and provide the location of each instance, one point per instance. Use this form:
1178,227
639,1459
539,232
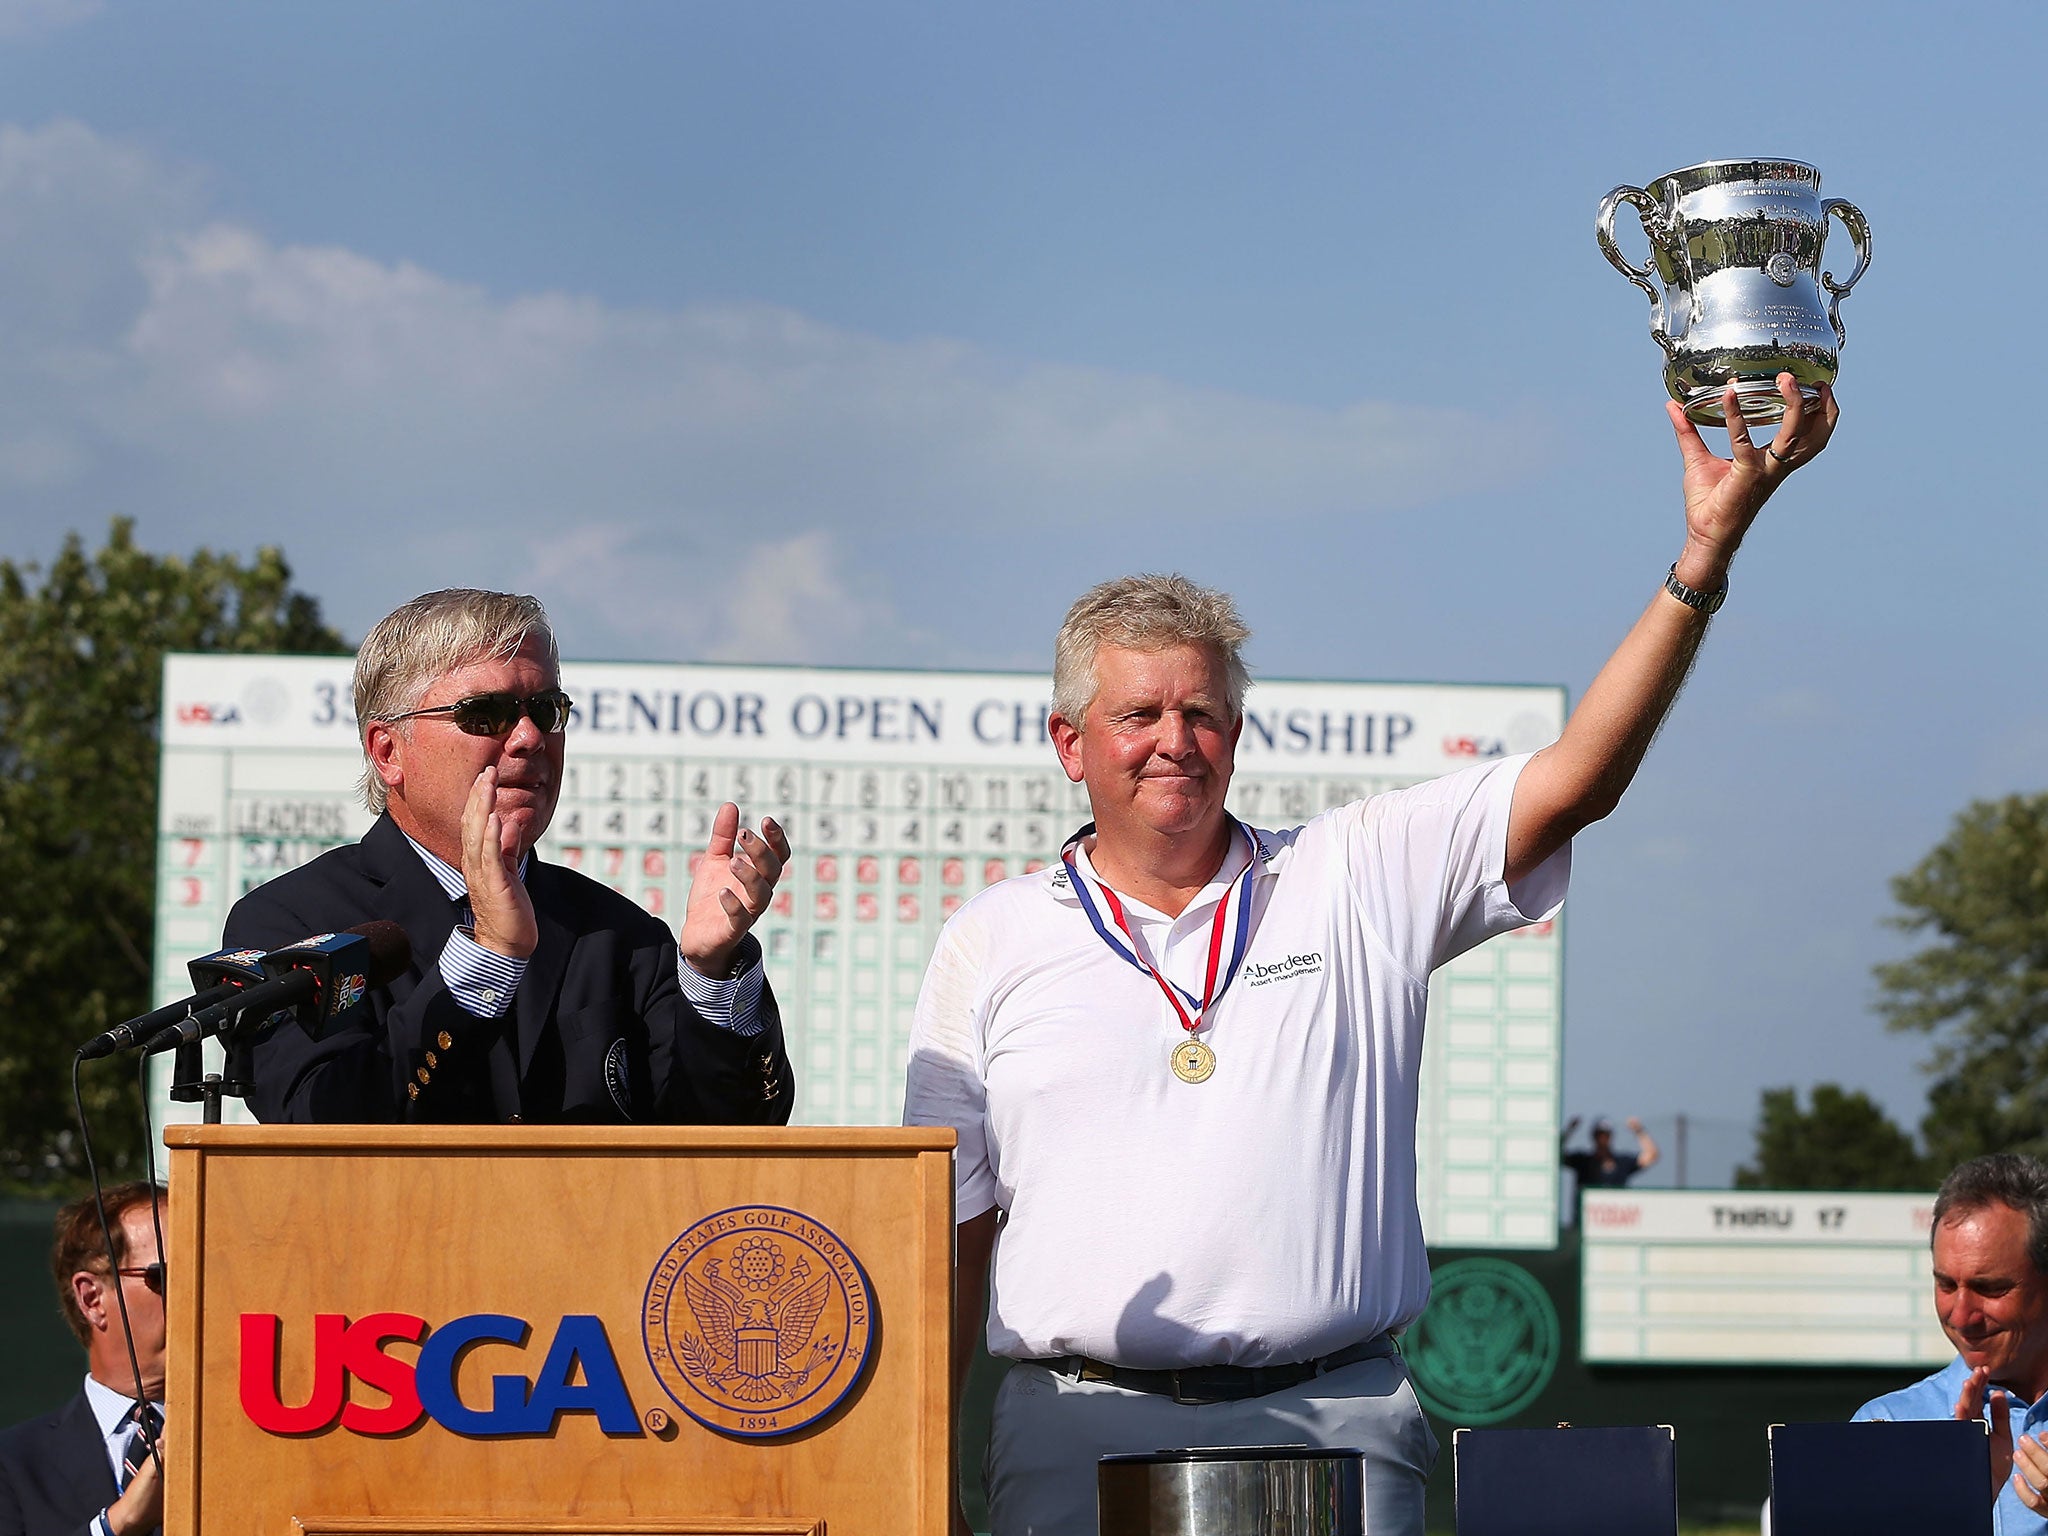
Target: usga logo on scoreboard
776,1330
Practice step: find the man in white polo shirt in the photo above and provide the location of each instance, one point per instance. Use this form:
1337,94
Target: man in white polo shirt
1182,1062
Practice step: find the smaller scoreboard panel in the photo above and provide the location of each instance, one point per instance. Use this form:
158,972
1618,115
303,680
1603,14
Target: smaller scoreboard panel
1757,1277
903,794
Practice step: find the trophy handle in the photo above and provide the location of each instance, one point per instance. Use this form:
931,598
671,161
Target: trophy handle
1656,226
1859,231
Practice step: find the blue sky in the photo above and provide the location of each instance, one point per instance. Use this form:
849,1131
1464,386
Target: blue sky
871,334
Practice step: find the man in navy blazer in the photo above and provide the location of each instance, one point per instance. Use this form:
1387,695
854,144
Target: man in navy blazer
58,1472
533,993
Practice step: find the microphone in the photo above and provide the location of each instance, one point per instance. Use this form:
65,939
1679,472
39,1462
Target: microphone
216,978
315,979
241,968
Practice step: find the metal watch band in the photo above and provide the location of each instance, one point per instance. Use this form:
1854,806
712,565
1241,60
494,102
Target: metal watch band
1708,603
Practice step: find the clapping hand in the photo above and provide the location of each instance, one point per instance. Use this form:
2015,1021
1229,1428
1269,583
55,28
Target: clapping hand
1971,1402
501,911
2030,1470
732,886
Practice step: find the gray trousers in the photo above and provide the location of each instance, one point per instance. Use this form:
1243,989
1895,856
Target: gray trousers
1048,1431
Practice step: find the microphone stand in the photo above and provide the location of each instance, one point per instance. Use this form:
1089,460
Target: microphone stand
192,1084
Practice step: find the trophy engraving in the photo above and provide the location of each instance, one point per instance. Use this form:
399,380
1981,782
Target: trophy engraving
1737,292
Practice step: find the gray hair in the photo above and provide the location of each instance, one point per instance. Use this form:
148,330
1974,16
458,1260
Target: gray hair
1145,613
2001,1178
430,637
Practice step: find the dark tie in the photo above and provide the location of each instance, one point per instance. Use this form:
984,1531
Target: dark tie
149,1428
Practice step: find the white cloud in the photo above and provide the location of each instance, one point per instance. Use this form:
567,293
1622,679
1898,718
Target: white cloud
168,363
797,599
32,18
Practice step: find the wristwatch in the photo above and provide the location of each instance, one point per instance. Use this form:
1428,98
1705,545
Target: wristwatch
1708,603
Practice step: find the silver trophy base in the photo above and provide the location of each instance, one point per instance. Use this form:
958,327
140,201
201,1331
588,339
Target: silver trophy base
1759,398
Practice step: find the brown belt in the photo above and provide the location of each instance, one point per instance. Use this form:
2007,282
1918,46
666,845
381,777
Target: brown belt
1217,1383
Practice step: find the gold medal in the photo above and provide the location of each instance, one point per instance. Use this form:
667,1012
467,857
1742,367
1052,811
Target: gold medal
1193,1062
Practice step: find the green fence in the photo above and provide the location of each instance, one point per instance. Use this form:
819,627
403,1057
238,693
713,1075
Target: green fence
44,1364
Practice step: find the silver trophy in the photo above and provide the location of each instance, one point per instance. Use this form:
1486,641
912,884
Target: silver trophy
1734,279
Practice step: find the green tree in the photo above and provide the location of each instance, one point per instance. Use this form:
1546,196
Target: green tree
81,651
1980,984
1843,1141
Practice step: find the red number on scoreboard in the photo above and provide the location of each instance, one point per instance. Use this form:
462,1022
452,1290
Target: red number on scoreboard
993,870
828,868
954,872
654,864
868,870
909,871
828,907
867,907
906,908
654,900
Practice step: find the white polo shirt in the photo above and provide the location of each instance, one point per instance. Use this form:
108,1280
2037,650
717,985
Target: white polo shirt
1267,1215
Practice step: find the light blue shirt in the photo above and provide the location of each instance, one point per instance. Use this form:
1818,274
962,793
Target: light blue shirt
1934,1397
110,1410
483,982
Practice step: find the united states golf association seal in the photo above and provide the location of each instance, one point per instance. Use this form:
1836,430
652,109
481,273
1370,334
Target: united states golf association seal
758,1321
1486,1346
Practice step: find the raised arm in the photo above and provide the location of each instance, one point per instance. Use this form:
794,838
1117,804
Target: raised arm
1646,1144
1580,777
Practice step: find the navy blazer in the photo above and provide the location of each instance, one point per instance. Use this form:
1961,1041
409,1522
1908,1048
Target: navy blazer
54,1473
599,1030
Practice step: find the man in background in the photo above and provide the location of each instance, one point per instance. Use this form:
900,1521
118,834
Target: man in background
89,1468
1990,1248
1600,1166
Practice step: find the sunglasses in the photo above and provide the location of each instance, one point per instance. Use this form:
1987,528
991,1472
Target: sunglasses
495,714
152,1275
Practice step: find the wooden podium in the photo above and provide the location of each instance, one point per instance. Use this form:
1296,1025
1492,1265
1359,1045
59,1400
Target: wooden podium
514,1330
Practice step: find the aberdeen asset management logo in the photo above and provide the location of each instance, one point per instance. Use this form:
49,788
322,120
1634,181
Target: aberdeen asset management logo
758,1321
1286,968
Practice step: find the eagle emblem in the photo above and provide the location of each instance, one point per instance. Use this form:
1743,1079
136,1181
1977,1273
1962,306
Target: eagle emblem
775,1323
759,1347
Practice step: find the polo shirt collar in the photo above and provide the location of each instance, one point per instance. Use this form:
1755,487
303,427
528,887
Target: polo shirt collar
1267,849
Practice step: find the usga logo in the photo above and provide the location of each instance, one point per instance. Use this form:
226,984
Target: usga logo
758,1321
202,713
427,1389
1475,746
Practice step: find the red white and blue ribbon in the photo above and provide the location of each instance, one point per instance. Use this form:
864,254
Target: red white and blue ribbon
1240,894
